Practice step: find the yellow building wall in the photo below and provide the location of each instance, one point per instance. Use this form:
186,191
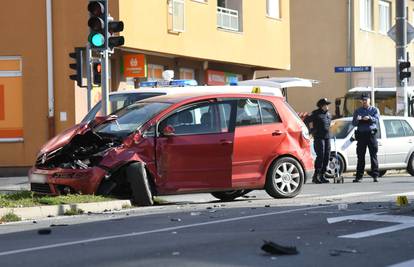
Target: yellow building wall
264,41
372,47
318,43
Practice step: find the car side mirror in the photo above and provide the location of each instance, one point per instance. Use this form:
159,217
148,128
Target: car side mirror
168,131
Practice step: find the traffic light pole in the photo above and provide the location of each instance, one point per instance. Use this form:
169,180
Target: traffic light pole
89,75
401,45
105,83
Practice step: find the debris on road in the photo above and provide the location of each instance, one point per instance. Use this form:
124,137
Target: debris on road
195,213
175,253
267,206
342,206
276,249
57,225
337,252
175,219
45,231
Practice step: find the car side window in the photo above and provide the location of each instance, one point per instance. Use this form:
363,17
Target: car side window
269,114
407,129
204,118
247,112
394,128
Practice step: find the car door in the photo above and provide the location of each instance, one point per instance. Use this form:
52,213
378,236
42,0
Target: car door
196,152
398,142
258,133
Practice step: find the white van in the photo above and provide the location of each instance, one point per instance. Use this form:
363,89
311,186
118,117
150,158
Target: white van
269,86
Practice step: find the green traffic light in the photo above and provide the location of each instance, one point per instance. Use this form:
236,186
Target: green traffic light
97,39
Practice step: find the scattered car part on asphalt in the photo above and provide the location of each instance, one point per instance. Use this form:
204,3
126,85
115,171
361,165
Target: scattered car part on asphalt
276,249
45,231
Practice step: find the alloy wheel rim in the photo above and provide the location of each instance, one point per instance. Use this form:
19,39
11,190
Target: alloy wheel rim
287,178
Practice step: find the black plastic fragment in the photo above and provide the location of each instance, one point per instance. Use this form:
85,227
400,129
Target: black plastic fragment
45,231
276,249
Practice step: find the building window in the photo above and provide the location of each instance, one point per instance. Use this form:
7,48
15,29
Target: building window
365,11
187,74
155,72
384,16
230,14
176,11
273,8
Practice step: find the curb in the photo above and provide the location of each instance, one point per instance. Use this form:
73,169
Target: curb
38,212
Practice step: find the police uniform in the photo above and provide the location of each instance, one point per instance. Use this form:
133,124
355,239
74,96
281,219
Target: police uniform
366,136
321,121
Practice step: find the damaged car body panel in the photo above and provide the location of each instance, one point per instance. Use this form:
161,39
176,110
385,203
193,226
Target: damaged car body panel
226,144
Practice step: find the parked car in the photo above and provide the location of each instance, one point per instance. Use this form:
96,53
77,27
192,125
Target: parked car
395,145
225,144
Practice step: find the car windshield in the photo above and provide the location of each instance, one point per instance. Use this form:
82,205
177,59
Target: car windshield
118,101
340,128
131,118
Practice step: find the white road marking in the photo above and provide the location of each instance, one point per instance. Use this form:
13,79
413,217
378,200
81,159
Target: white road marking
355,194
83,241
409,263
404,222
402,194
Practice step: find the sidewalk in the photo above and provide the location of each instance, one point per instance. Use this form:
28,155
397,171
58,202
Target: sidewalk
11,184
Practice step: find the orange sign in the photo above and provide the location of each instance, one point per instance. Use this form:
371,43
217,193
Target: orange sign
135,65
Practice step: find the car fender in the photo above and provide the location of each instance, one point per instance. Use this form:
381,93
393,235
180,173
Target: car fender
407,158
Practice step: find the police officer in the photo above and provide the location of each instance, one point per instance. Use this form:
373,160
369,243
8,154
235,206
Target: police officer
366,118
319,122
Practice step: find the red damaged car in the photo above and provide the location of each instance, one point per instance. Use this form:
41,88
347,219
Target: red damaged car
225,144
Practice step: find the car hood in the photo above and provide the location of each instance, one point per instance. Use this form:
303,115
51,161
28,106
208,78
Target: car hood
65,137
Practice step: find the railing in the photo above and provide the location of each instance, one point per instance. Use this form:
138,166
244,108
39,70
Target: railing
228,19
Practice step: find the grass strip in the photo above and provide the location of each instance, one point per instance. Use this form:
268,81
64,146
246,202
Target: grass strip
30,199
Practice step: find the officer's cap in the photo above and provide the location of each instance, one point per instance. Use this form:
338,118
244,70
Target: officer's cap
364,96
323,101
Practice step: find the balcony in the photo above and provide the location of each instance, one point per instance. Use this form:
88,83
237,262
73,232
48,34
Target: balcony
228,19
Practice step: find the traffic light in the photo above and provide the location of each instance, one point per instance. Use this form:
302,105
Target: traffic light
77,66
98,24
115,27
404,70
97,71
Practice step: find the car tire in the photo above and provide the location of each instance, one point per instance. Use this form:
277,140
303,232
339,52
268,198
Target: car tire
229,195
330,169
141,191
285,178
410,166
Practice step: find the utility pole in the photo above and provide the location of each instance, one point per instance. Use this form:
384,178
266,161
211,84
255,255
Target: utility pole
401,56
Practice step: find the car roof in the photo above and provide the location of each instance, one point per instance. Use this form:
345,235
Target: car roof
176,98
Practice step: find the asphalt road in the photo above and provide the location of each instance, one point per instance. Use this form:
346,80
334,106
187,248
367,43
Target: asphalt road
330,225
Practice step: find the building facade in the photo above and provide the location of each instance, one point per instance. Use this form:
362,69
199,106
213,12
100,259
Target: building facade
327,33
211,41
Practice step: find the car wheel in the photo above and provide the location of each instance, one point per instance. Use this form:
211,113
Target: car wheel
284,178
334,163
410,166
229,195
137,178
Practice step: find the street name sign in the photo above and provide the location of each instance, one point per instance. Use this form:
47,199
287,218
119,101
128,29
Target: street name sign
353,69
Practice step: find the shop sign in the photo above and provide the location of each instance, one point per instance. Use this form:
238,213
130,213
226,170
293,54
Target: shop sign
135,65
215,77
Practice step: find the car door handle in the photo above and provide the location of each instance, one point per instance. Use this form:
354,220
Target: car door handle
410,140
277,133
226,142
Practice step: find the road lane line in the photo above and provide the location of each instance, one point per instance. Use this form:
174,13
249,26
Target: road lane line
356,194
402,194
409,263
90,240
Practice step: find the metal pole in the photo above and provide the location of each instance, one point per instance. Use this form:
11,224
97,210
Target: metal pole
401,45
105,83
89,75
373,85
